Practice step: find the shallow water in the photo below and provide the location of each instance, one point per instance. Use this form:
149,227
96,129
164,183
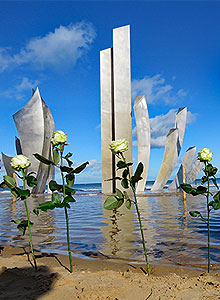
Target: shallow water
172,235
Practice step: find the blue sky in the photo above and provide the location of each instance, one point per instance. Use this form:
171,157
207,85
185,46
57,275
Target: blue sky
175,60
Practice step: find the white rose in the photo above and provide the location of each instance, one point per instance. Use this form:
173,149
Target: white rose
19,162
205,154
119,146
58,137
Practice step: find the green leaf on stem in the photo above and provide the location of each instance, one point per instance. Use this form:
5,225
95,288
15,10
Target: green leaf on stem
43,159
215,204
215,182
128,204
190,190
139,170
121,164
9,181
210,170
23,194
22,225
135,179
119,194
45,206
217,197
69,191
31,181
55,187
81,167
187,188
204,179
125,173
65,204
56,156
70,178
69,199
195,214
56,198
69,154
201,190
69,162
66,169
112,203
124,183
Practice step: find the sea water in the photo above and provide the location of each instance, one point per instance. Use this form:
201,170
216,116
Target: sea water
172,235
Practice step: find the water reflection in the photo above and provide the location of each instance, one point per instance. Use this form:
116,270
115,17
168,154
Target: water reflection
172,235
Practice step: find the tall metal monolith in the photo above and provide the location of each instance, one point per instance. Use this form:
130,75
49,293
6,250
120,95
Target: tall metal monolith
115,69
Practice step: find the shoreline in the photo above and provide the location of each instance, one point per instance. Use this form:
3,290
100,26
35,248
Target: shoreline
99,279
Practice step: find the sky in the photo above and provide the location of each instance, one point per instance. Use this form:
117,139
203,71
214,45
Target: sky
55,45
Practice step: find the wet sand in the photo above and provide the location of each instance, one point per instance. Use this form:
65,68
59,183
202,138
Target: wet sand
99,279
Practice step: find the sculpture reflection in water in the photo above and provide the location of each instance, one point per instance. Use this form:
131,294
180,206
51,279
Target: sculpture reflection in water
118,232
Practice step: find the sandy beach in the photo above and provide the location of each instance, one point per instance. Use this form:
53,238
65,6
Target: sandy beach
98,279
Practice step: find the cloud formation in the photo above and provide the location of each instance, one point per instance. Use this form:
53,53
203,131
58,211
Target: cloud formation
58,49
160,126
155,89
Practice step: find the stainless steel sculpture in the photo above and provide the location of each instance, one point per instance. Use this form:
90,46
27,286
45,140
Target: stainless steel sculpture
173,146
194,172
143,138
44,170
107,120
187,164
115,101
7,164
18,146
35,125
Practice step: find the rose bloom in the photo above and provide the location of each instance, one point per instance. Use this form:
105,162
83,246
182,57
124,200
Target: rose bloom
205,154
58,137
119,146
19,162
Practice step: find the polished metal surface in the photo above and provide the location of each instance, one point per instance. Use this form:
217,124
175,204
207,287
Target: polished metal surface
187,164
115,82
29,122
44,170
194,172
18,146
35,125
173,146
7,164
169,160
107,119
122,88
143,138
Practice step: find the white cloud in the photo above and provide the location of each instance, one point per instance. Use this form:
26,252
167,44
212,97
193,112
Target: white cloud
155,89
58,49
18,91
160,126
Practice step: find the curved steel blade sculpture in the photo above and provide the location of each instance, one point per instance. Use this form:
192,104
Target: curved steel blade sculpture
173,146
18,146
187,164
35,125
44,170
143,138
7,164
169,160
194,172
